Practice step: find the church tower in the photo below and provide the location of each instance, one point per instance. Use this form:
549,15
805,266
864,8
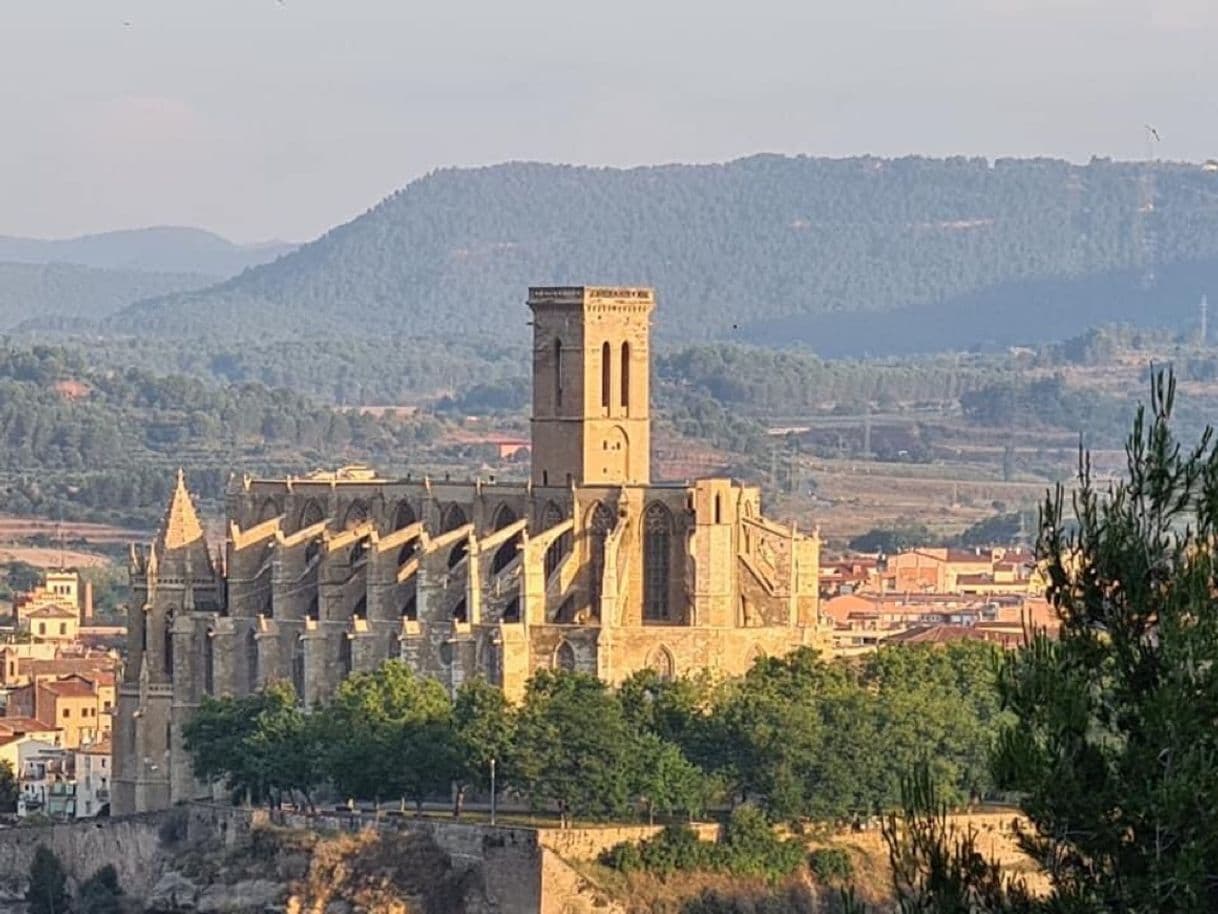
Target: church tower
591,385
172,580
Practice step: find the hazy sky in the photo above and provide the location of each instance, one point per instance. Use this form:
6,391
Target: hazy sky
263,119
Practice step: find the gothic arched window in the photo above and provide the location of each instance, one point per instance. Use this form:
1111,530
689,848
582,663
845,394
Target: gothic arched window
662,663
251,658
346,660
558,374
404,515
600,522
311,514
504,517
209,664
168,642
357,513
657,562
564,657
557,550
298,669
452,518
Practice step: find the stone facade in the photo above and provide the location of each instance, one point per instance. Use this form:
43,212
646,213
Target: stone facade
587,566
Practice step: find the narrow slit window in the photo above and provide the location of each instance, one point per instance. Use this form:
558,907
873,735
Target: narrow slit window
625,375
606,368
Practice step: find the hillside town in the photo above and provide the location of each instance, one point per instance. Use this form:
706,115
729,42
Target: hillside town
58,673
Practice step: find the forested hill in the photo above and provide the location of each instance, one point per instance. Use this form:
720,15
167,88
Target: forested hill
732,248
166,249
61,294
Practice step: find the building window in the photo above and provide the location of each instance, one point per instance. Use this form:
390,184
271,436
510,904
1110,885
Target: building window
625,376
606,360
558,374
169,643
63,628
209,666
67,712
600,522
42,628
657,561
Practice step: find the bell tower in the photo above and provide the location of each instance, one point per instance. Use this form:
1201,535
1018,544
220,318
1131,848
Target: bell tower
591,385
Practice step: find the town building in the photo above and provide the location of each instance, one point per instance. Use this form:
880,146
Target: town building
588,565
80,707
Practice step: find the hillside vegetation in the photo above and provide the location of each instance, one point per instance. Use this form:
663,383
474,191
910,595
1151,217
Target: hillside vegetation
753,249
62,295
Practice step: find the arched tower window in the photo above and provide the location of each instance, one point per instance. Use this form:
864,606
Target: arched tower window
625,376
168,642
558,374
600,522
606,369
657,562
268,510
298,670
564,657
251,658
718,509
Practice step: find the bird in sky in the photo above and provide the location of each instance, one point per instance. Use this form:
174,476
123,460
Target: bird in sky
1153,133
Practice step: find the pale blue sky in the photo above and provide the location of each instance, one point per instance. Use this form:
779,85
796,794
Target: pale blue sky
263,119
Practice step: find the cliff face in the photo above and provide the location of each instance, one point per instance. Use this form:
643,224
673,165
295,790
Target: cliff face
298,872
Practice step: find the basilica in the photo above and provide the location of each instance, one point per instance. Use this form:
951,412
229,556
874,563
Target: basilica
587,566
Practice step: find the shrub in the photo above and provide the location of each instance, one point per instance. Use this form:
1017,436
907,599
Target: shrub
625,857
750,847
48,889
831,864
676,848
99,894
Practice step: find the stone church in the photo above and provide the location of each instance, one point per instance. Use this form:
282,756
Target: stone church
588,565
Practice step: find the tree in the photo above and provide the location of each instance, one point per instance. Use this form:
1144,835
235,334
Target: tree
48,889
9,788
572,746
482,732
388,734
100,893
1112,744
664,779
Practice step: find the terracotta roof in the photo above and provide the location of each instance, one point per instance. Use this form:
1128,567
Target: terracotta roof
101,747
52,611
979,578
937,634
21,725
71,688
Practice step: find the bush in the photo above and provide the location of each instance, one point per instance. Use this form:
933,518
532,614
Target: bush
831,864
676,848
750,847
99,894
48,889
625,857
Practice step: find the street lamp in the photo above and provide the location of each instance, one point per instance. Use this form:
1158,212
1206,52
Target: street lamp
492,791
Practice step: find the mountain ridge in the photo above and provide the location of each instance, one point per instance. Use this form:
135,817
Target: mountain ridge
730,247
151,249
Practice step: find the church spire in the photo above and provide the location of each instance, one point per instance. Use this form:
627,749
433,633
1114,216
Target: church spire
181,525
